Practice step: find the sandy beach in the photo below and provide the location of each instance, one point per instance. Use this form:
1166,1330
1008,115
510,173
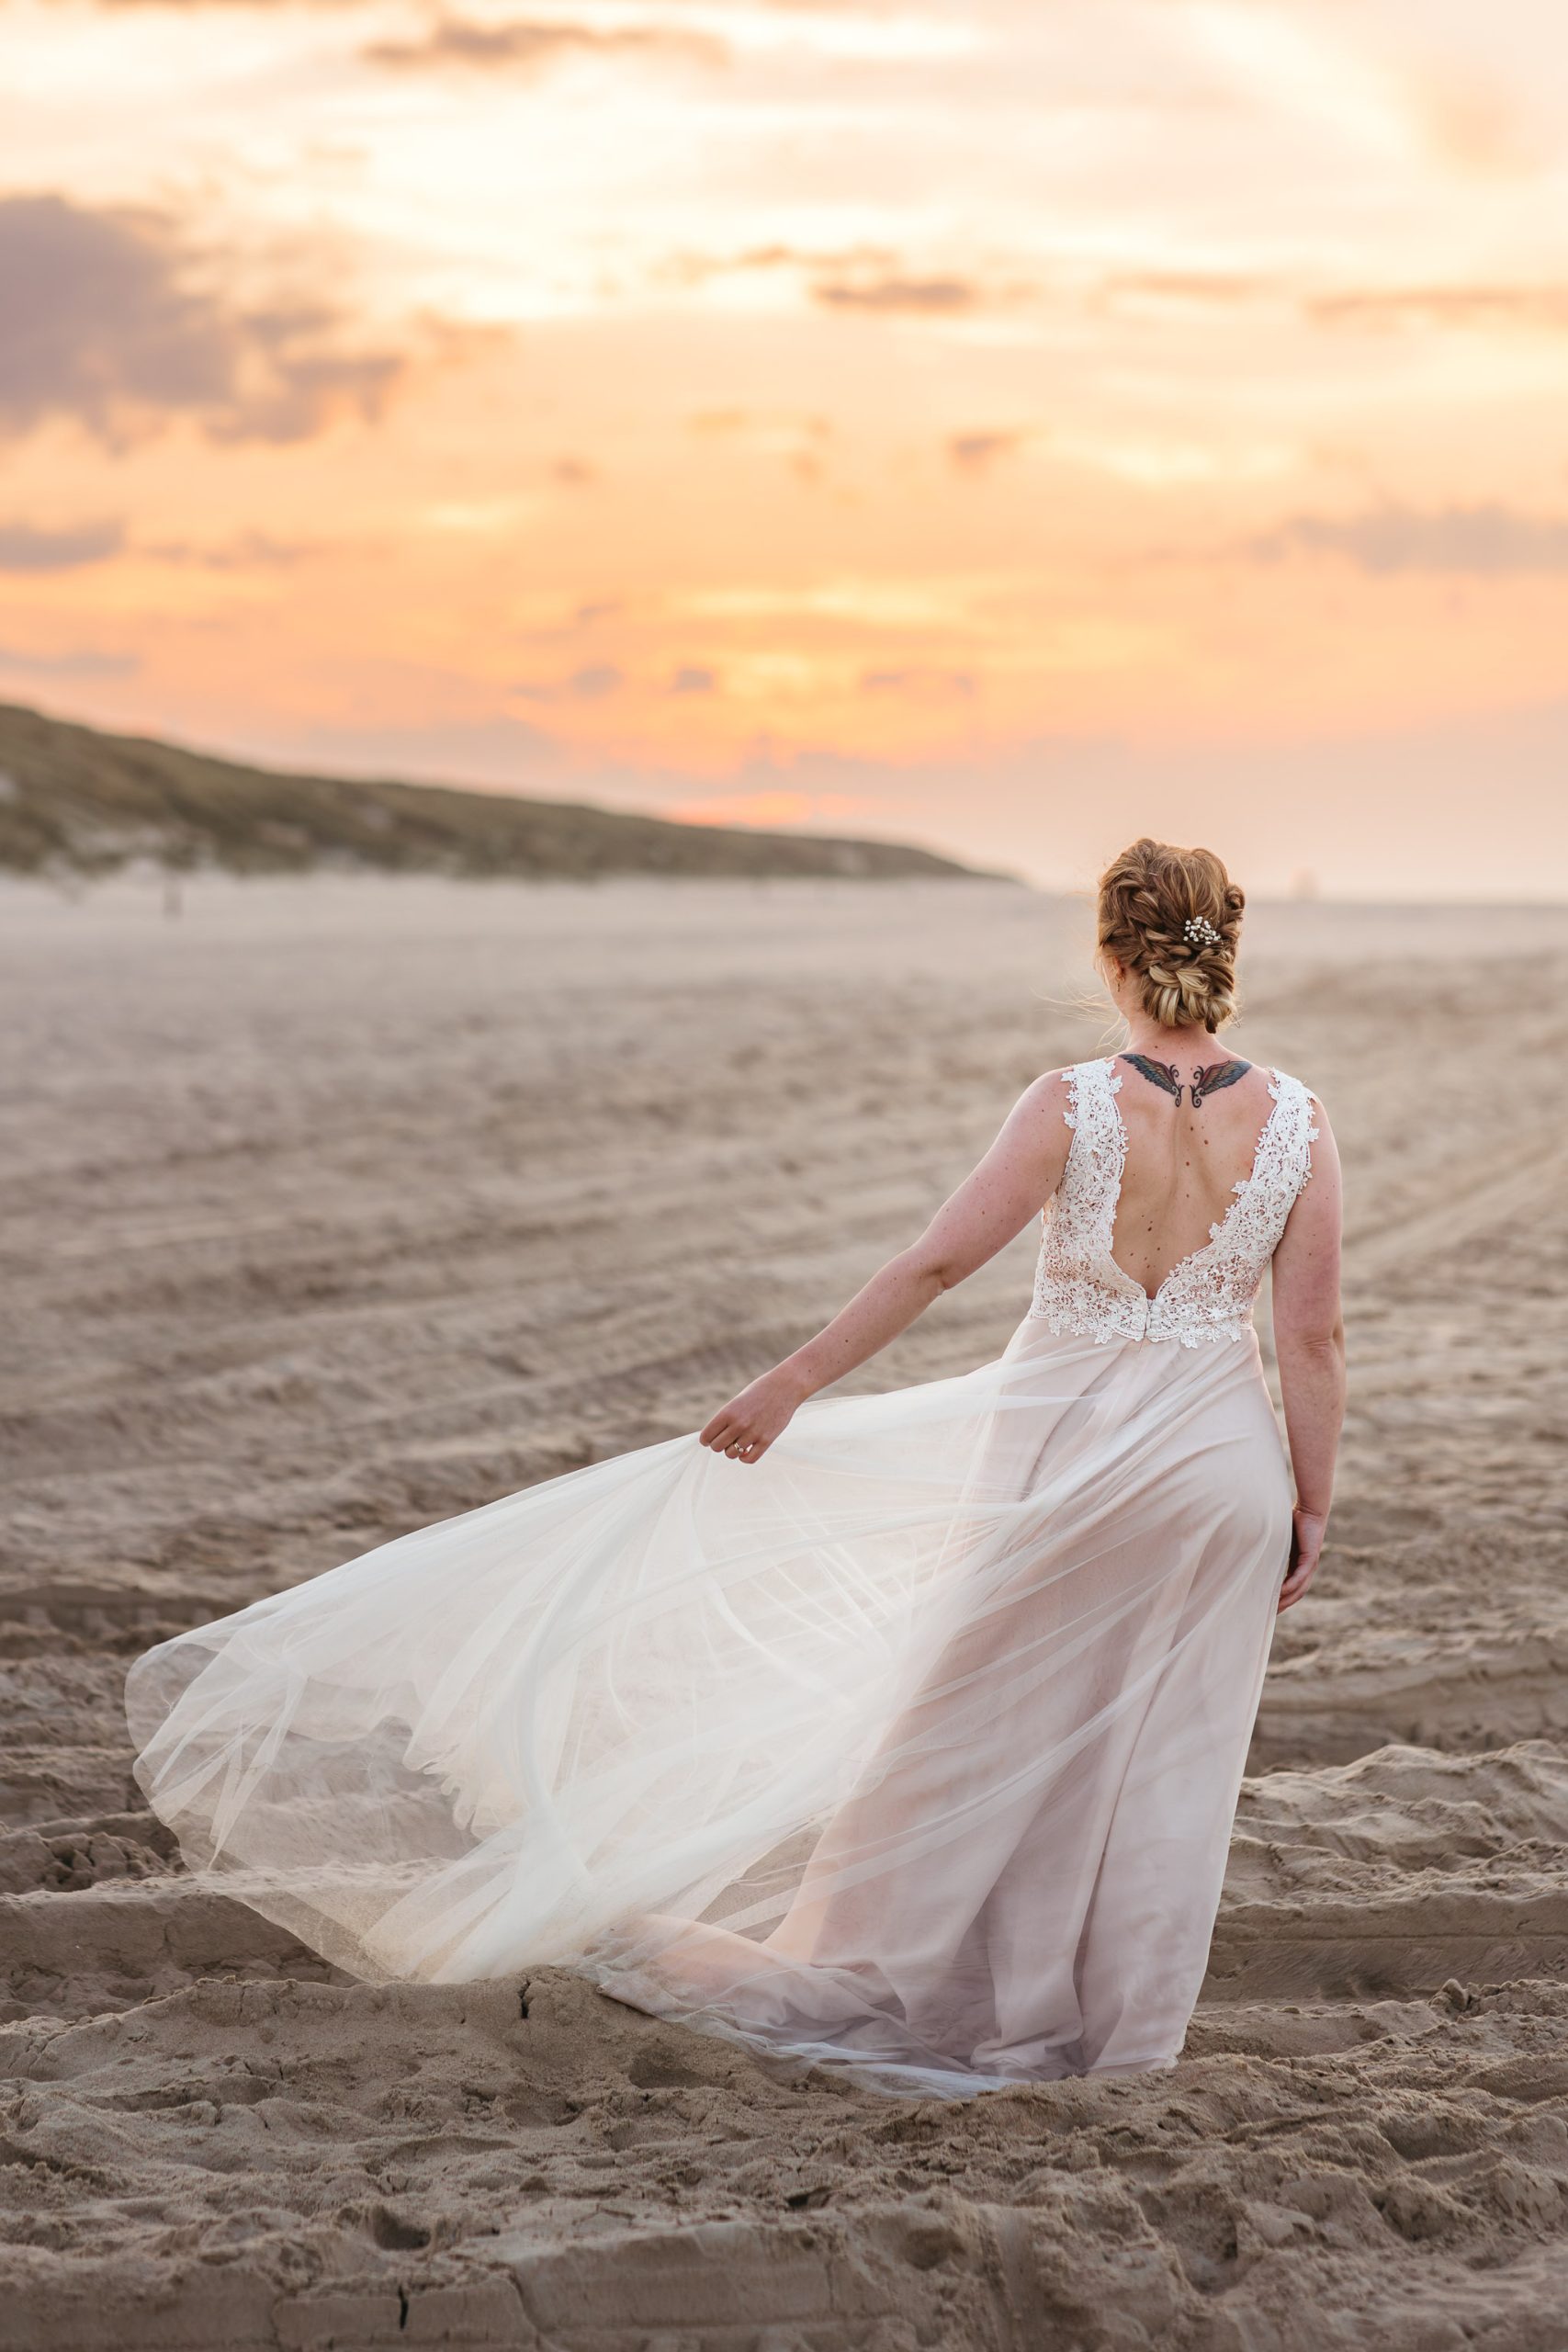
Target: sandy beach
336,1207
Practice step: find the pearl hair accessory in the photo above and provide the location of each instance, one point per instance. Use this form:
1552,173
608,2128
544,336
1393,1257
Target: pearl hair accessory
1198,932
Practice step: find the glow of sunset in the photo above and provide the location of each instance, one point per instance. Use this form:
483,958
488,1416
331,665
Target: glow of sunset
1002,424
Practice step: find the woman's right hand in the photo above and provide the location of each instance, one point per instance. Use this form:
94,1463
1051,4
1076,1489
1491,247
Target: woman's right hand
1307,1529
747,1426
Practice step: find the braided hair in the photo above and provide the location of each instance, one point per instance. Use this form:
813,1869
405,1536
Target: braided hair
1172,917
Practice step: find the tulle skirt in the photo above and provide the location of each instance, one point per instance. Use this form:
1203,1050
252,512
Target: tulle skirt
911,1749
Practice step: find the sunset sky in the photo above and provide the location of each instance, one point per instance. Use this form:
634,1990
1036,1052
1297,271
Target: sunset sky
1008,427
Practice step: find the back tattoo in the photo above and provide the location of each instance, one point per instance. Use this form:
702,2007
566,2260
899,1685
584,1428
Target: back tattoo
1206,1080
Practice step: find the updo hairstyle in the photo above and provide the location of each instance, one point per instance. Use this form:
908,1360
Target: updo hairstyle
1172,919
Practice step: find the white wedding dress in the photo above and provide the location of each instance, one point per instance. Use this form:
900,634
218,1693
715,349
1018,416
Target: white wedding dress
911,1749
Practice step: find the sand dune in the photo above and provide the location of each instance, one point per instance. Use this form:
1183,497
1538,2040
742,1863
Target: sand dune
75,801
333,1207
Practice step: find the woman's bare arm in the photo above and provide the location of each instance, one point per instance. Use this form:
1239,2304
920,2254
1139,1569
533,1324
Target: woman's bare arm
1309,1342
992,1205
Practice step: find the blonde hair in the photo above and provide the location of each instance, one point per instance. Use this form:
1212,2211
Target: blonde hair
1172,917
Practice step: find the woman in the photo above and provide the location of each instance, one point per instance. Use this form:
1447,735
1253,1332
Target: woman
897,1733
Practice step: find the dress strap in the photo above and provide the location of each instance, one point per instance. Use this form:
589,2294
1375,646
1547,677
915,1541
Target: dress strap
1099,1153
1090,1087
1286,1146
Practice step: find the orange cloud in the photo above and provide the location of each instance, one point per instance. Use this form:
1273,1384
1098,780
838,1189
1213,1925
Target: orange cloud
1477,306
976,453
26,546
922,296
530,46
1485,539
920,679
593,682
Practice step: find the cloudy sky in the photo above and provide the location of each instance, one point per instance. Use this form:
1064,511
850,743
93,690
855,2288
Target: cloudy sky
1004,423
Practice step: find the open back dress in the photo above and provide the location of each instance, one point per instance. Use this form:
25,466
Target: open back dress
911,1749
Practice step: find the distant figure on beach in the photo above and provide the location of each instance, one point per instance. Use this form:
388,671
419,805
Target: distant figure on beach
898,1734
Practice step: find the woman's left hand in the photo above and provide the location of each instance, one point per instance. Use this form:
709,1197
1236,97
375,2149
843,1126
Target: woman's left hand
1306,1549
747,1426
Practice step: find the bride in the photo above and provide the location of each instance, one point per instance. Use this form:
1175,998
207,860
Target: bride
900,1733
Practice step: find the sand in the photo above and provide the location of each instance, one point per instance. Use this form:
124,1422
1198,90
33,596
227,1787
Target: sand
336,1207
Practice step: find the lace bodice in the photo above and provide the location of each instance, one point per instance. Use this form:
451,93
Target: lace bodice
1078,1286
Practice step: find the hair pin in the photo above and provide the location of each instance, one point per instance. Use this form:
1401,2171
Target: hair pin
1198,932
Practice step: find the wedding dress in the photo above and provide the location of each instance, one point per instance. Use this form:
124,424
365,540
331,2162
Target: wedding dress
911,1749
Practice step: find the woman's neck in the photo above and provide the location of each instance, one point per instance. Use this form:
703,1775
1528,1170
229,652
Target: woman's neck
1189,1049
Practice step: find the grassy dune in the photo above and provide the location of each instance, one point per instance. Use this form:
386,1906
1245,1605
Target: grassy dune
74,801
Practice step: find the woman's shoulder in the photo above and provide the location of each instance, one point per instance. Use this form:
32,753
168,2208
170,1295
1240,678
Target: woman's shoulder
1050,1105
1053,1091
1062,1086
